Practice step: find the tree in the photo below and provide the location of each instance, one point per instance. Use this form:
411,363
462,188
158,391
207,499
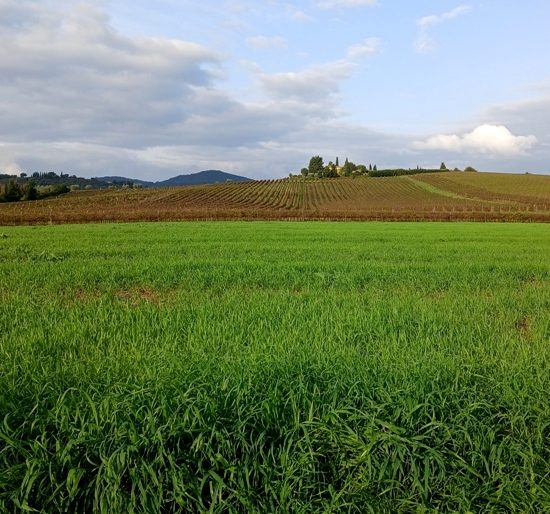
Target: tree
374,168
316,165
469,169
348,168
330,170
12,193
304,171
442,167
29,191
370,167
337,162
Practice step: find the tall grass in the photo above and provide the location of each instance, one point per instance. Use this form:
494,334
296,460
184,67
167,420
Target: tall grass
275,367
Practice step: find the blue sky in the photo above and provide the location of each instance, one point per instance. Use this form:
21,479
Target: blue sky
154,88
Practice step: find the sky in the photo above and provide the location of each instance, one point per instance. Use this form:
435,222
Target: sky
151,89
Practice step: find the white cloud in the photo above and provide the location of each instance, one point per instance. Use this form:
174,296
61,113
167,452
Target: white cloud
69,76
424,42
312,85
79,96
331,4
300,16
494,140
267,42
435,19
367,48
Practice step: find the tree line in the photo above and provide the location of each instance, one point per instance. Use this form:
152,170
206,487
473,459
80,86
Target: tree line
318,169
13,191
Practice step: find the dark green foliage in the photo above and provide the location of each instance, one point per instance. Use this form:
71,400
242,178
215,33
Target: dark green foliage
316,166
29,191
55,191
15,190
12,192
51,178
330,170
348,168
400,172
316,169
470,169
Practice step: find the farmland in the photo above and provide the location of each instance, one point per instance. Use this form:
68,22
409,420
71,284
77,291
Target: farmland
440,196
276,367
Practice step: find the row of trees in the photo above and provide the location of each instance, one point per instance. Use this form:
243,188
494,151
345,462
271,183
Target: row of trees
318,169
51,178
13,191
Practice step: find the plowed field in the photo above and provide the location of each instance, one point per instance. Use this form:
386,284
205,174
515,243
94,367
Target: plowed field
438,196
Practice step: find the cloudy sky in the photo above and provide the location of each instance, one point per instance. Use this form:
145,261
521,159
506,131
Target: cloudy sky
154,88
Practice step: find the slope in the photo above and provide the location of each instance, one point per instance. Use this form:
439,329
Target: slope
449,196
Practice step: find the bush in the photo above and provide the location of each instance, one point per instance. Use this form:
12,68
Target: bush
12,192
399,172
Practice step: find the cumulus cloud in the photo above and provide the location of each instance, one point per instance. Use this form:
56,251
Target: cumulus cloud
267,42
71,76
331,4
367,48
424,42
78,96
317,85
494,140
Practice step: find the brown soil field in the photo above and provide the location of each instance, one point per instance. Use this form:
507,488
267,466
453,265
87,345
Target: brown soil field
438,196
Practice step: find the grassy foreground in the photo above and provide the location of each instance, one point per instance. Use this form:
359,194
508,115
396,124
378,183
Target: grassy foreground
275,367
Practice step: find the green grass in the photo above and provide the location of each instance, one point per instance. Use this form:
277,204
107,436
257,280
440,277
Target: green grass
275,367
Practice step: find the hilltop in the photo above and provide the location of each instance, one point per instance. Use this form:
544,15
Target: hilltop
191,179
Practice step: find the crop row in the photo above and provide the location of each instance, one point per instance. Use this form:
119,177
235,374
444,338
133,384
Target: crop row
464,196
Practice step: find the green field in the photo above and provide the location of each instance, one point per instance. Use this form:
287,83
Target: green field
275,367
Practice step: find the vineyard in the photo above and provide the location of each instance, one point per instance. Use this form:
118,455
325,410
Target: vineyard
448,196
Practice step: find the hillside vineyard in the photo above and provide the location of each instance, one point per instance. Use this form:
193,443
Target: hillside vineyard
449,196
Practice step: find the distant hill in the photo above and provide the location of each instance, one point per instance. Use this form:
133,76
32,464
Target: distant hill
126,180
193,179
202,177
53,179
